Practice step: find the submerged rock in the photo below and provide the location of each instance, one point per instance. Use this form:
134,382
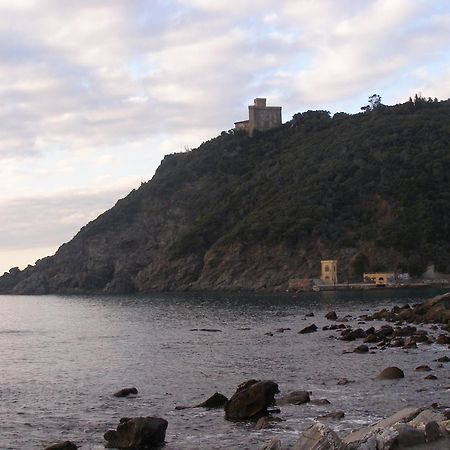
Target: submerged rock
126,392
251,399
217,400
66,445
137,433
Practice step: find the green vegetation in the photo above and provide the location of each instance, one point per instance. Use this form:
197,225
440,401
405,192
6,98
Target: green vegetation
377,180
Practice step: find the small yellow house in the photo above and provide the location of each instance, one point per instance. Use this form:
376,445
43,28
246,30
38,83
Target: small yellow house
328,273
380,279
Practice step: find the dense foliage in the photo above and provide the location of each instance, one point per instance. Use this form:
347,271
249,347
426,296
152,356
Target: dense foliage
375,179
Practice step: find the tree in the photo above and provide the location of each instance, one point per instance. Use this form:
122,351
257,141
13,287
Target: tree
374,102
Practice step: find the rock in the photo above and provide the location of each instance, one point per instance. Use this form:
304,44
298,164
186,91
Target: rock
379,433
282,330
208,330
319,437
251,399
217,400
443,339
309,314
137,432
343,382
294,398
432,432
430,377
262,423
331,315
444,359
126,391
274,444
351,335
409,436
361,349
308,329
268,334
334,415
423,368
66,445
391,373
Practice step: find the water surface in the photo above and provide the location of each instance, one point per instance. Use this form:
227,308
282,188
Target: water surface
63,357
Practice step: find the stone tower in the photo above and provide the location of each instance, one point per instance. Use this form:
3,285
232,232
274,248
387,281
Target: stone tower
260,117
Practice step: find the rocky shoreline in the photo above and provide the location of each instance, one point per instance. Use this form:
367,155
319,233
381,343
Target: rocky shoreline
257,404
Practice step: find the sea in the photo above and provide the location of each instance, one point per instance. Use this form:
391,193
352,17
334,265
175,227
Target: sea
63,357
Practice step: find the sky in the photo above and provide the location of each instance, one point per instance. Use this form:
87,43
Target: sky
94,93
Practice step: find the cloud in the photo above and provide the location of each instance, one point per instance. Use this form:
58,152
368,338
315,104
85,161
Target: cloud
102,90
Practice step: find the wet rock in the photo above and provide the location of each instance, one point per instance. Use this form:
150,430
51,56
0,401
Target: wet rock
137,432
351,335
282,330
430,377
410,343
381,434
126,392
309,314
274,444
294,398
398,343
432,432
217,400
444,359
423,368
361,349
319,437
268,334
331,315
308,329
344,381
251,399
391,373
334,415
443,339
66,445
208,330
262,423
409,436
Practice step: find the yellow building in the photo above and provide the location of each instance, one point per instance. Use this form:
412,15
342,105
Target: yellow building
329,271
380,279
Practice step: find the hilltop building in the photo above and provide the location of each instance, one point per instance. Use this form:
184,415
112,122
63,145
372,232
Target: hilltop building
329,271
260,117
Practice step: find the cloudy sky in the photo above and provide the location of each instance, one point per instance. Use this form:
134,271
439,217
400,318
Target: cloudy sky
93,93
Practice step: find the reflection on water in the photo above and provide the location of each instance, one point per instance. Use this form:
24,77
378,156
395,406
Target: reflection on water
63,357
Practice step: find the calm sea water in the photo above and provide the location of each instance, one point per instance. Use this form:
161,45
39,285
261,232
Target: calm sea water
63,357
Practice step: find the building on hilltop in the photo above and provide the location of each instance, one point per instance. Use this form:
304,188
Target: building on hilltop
260,117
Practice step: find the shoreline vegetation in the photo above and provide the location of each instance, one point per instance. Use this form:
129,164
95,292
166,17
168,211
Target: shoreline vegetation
257,403
370,190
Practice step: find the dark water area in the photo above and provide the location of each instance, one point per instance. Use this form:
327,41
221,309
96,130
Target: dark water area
62,358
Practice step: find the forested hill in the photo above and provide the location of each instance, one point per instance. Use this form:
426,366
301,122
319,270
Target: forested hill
371,190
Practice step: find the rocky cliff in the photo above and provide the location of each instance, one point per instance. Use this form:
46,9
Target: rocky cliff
370,189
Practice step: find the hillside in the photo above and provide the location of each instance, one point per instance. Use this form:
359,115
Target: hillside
370,189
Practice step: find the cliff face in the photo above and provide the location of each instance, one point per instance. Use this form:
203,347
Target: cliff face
372,190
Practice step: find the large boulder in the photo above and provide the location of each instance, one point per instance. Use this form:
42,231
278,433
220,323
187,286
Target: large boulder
319,437
137,433
251,399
